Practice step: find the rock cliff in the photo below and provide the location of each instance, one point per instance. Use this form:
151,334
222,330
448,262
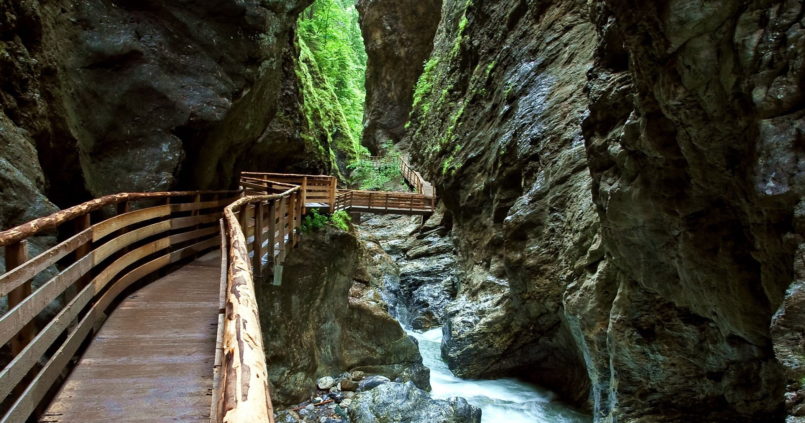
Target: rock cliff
695,118
624,181
101,97
497,125
328,317
398,35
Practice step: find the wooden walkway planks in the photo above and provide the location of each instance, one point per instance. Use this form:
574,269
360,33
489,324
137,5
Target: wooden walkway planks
152,360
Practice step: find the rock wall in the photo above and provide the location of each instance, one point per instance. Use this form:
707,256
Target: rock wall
100,97
398,35
625,185
497,126
694,143
328,317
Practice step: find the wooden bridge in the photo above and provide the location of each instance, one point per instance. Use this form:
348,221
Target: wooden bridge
146,310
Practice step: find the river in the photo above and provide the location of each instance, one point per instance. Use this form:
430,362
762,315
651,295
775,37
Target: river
501,400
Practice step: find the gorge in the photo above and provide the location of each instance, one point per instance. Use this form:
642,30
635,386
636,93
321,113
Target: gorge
620,214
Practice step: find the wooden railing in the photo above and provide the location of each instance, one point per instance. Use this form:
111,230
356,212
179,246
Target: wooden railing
96,263
252,225
416,180
318,189
385,202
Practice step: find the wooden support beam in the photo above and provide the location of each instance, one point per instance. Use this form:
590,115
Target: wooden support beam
283,221
272,230
292,199
257,245
16,255
333,183
82,223
304,195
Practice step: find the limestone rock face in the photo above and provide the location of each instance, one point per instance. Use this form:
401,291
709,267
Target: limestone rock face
398,35
160,94
625,182
695,114
24,118
499,132
328,317
147,96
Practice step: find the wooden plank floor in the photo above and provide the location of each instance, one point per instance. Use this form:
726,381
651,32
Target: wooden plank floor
152,361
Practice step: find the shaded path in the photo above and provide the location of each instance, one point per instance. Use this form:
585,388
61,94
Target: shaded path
152,360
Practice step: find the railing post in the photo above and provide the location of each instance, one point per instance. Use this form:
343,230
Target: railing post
292,218
282,222
17,254
299,212
82,223
257,246
333,183
243,219
272,231
304,195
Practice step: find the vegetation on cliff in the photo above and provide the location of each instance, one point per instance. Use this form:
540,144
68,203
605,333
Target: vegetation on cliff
329,35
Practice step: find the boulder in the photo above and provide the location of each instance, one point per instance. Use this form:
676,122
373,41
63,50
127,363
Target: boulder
328,316
405,403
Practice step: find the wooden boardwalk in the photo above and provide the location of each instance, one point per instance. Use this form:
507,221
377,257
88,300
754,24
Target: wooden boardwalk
187,347
152,360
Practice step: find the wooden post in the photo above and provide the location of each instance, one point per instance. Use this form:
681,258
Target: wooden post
17,254
282,222
333,183
82,223
272,230
299,211
292,218
257,246
243,219
304,195
123,207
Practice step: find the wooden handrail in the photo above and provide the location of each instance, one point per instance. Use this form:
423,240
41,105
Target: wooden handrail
241,392
99,262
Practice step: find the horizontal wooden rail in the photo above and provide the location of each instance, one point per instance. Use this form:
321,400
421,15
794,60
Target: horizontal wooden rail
95,265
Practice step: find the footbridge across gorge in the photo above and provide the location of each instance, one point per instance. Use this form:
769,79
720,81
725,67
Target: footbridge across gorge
141,306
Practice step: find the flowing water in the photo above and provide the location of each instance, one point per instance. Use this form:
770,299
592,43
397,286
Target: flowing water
501,400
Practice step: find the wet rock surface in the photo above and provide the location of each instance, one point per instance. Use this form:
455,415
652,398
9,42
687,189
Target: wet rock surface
376,399
405,403
694,179
425,281
328,317
500,135
625,191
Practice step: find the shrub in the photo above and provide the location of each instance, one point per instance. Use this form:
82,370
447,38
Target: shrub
341,220
315,220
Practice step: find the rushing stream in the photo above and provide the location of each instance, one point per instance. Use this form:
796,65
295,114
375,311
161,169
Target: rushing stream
502,400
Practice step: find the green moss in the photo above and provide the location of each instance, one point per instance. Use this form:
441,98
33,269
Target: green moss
326,131
425,84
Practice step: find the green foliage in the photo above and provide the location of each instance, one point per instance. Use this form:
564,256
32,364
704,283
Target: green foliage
425,84
315,221
379,174
341,220
330,29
